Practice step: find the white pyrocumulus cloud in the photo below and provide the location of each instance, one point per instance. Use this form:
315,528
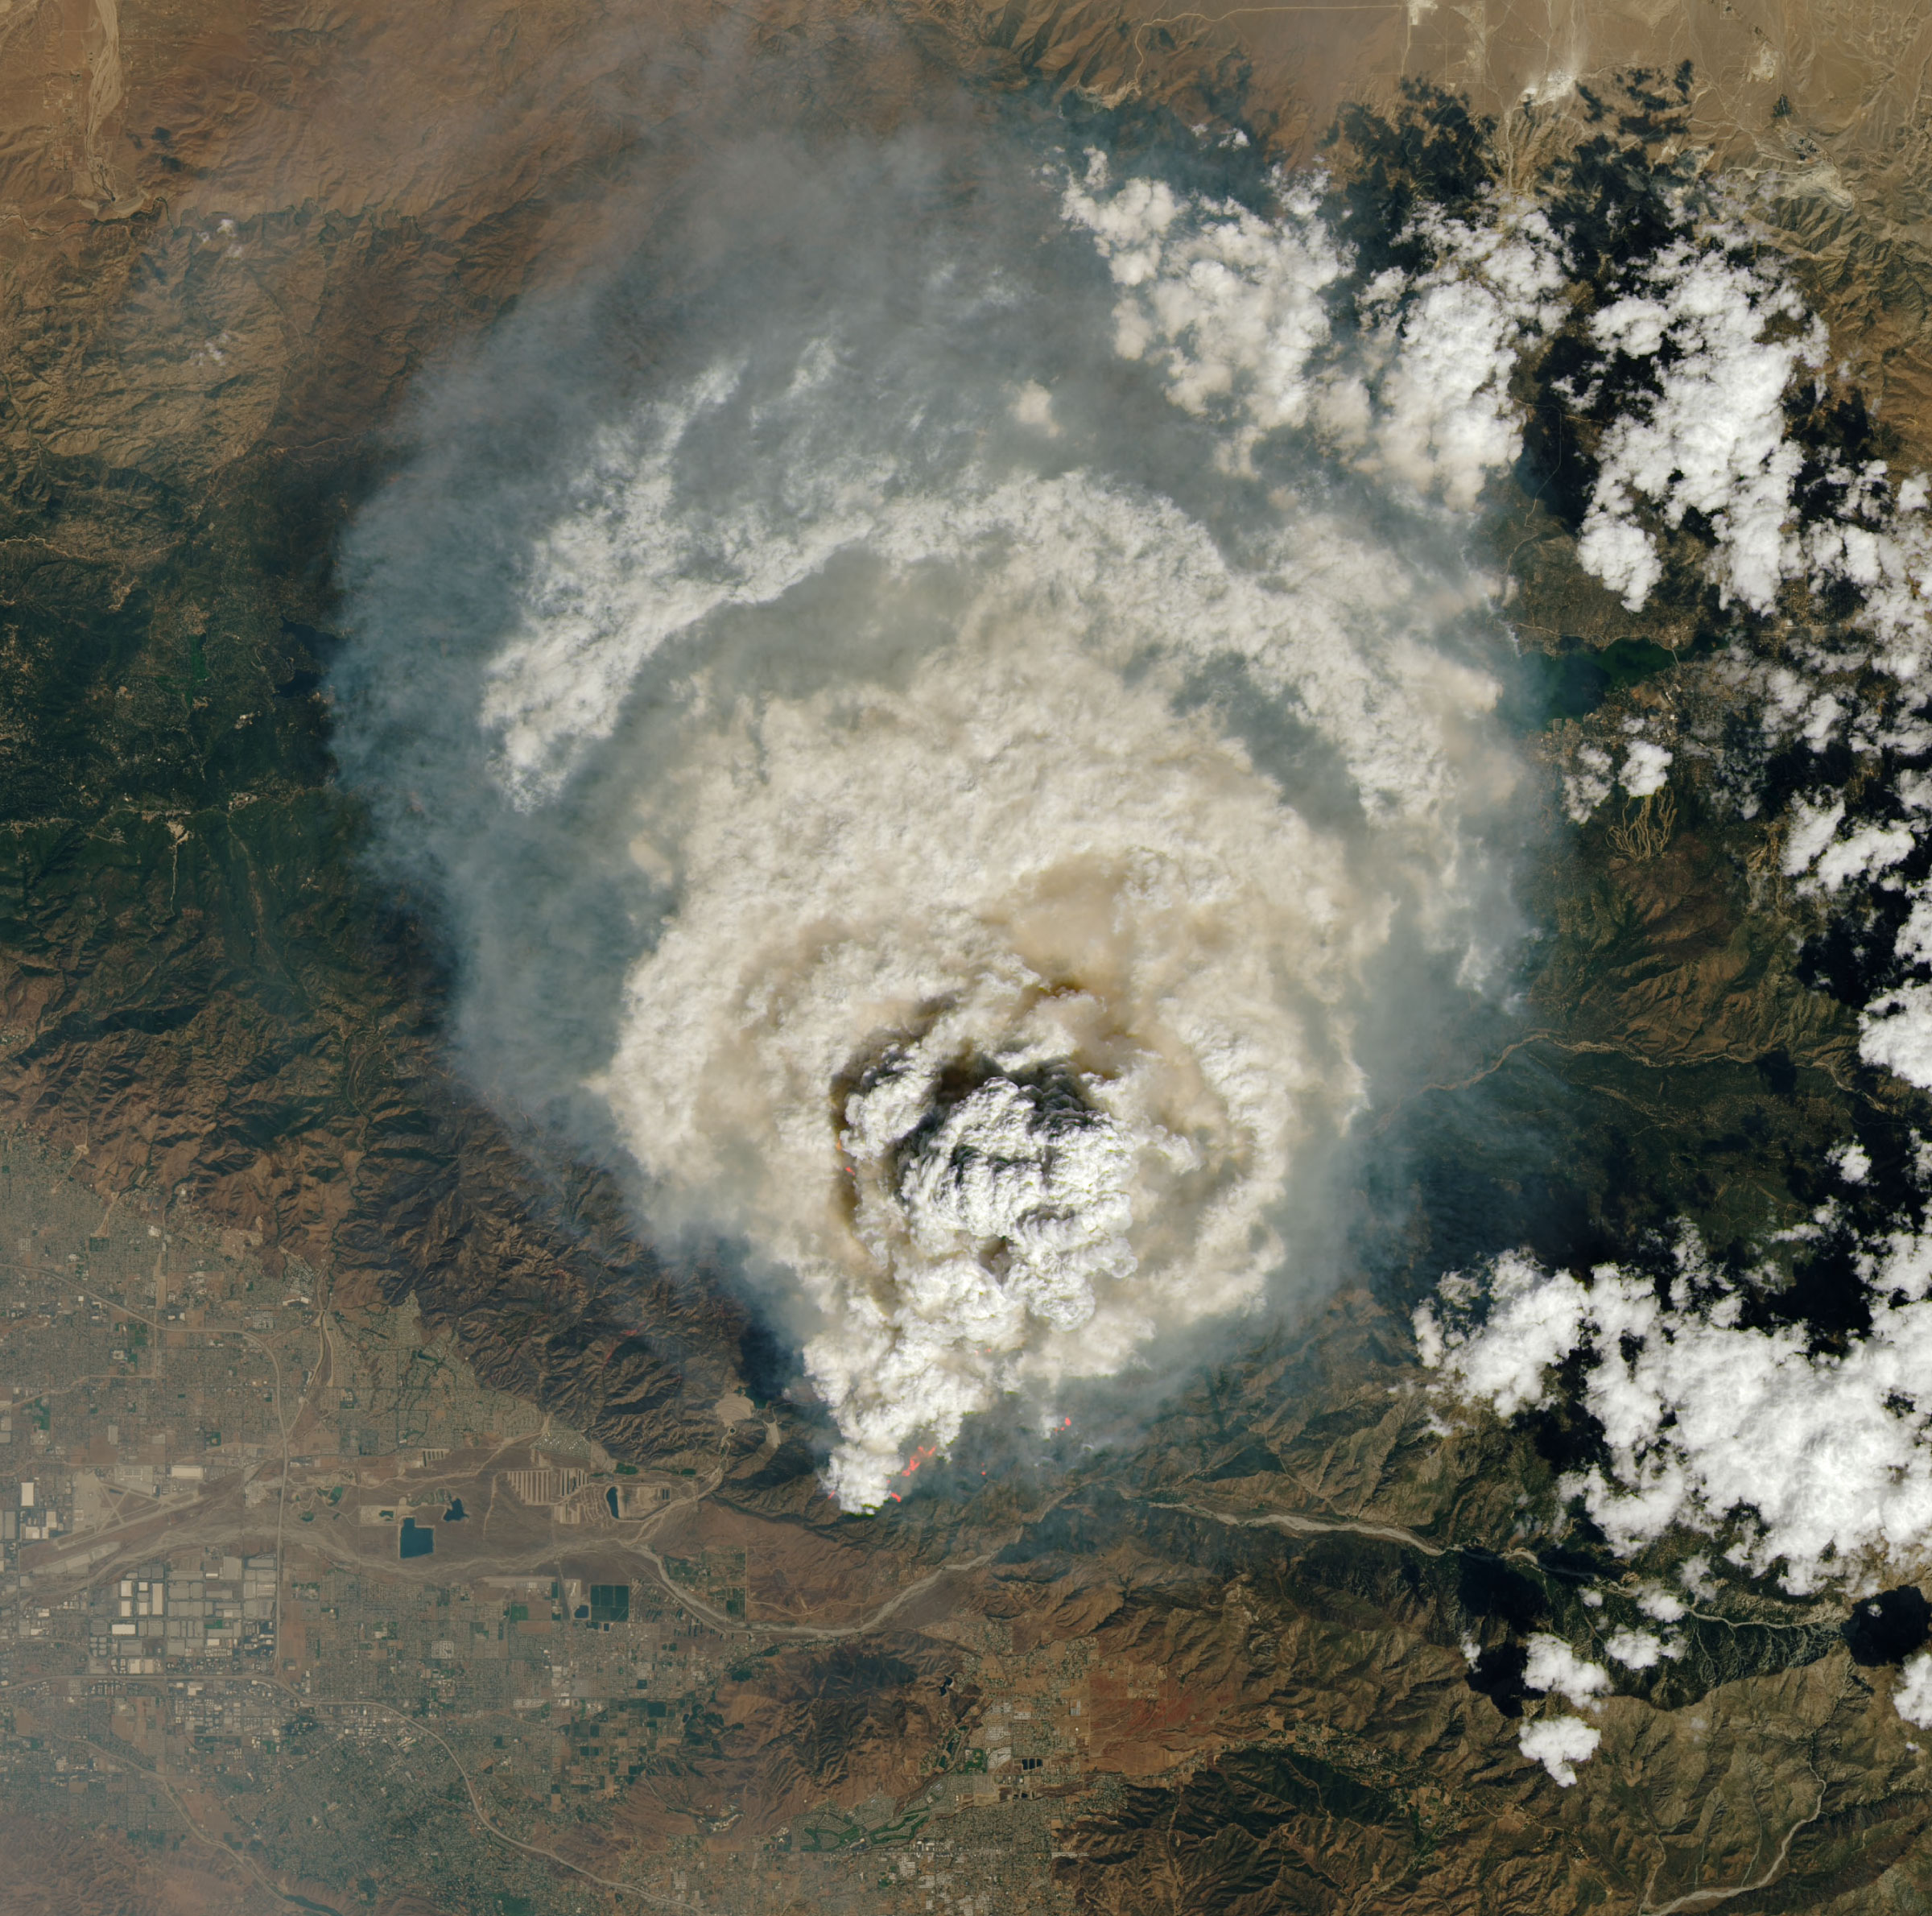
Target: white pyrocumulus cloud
1021,859
1015,863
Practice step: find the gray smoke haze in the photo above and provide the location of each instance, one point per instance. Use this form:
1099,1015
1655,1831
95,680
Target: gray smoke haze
948,720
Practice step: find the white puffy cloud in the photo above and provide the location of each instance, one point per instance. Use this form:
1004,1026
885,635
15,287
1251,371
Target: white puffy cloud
1234,309
1559,1743
1851,1160
1812,829
1618,549
1646,770
1862,852
1913,1698
1587,782
1882,545
1815,850
1448,342
1819,1462
1230,304
1895,1030
1534,1322
1635,1649
1725,341
1552,1666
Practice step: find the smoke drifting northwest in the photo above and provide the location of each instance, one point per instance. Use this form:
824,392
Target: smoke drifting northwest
944,704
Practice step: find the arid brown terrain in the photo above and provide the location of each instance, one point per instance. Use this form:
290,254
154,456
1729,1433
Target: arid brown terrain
1226,1667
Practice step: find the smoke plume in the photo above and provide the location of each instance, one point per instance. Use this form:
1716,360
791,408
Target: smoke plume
940,702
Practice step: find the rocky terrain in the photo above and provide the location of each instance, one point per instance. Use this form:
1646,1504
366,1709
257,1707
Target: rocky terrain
229,238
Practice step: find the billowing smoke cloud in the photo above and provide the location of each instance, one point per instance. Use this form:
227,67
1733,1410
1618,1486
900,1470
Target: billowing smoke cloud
940,720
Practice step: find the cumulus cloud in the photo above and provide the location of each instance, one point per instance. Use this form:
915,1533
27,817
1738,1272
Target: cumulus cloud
1864,691
1913,1698
1814,849
1646,770
1231,307
1446,341
1553,1665
1229,303
1722,342
1895,1032
1559,1743
1880,542
1690,368
1809,832
1849,844
1635,1649
1816,1465
1587,782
